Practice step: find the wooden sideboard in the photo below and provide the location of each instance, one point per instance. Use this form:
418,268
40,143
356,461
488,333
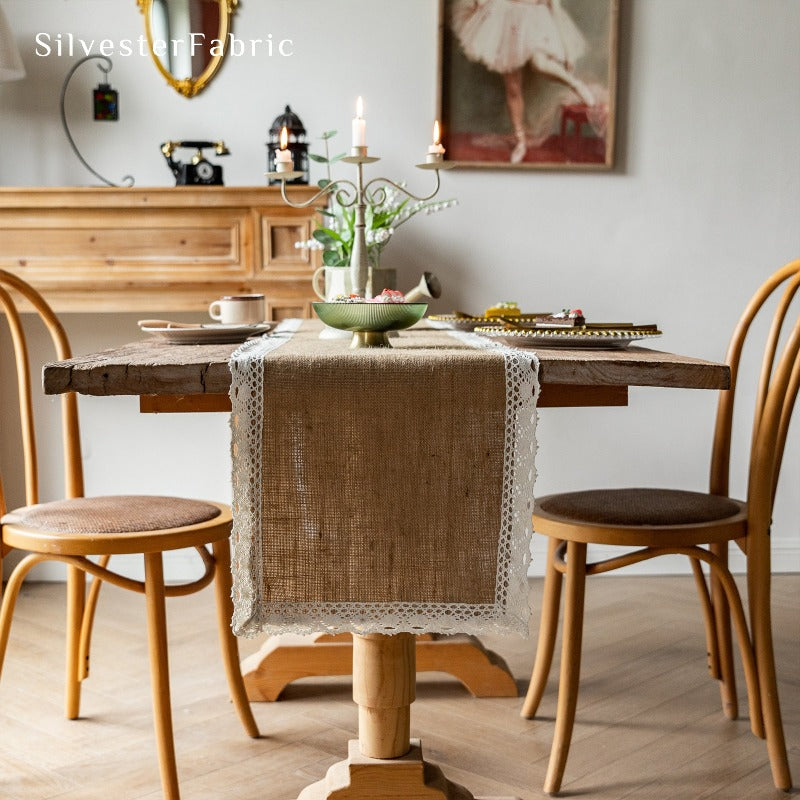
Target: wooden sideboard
159,249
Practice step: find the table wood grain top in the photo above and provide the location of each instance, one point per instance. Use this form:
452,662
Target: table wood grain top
152,367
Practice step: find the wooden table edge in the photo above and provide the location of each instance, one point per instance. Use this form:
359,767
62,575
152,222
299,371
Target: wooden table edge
552,395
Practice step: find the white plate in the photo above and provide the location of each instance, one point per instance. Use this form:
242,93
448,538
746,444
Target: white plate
603,339
212,333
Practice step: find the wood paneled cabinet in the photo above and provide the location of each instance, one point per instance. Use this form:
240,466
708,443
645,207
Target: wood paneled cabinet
159,249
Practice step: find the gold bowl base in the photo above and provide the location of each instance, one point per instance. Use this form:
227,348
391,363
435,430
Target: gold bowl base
369,339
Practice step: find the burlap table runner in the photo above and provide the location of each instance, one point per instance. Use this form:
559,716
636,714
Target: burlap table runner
382,490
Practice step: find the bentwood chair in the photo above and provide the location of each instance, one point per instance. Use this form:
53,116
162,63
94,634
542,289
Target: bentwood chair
77,527
667,521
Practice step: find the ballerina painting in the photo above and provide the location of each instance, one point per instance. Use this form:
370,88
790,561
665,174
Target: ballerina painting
529,83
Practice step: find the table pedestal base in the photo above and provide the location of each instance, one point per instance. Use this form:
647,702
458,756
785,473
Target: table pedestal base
283,659
409,777
385,763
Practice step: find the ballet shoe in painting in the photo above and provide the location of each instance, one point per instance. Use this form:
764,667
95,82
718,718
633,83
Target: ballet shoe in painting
520,148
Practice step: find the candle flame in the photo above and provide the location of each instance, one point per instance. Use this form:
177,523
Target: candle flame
284,138
437,136
360,107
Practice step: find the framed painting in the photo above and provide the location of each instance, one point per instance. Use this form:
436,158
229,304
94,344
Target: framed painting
528,83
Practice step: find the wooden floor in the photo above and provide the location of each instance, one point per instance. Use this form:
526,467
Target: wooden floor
648,727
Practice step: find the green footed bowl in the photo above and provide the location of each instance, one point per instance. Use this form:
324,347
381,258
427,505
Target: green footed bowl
366,317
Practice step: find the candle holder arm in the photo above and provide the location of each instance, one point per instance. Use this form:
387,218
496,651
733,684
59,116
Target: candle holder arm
377,195
345,192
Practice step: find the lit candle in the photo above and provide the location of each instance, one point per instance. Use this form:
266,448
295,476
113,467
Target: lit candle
359,126
436,149
283,158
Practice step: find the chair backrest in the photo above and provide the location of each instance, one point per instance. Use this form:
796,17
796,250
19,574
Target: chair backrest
14,292
775,399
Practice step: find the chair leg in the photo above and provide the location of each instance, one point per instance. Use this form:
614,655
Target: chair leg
76,600
734,607
159,673
570,664
7,612
758,585
548,628
10,595
228,643
722,616
712,648
88,620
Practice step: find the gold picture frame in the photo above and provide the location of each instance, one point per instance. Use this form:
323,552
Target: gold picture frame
528,84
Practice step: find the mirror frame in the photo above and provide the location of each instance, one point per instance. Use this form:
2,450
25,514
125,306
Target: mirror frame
189,87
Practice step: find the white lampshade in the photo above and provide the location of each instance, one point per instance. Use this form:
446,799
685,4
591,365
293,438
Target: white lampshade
11,67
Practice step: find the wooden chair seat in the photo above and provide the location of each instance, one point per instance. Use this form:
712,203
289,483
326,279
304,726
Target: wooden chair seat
116,525
640,517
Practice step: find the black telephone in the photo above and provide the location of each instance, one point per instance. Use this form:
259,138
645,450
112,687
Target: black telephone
199,171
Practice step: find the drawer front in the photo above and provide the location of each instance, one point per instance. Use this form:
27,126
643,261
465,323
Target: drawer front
279,235
146,243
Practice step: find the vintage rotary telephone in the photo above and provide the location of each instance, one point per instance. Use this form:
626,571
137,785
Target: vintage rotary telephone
199,171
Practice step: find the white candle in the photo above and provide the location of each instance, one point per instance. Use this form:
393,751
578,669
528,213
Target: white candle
359,126
436,149
283,157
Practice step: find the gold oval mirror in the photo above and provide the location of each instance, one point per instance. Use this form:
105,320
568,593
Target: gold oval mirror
187,39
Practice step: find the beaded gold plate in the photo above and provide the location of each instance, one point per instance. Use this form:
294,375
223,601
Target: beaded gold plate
606,338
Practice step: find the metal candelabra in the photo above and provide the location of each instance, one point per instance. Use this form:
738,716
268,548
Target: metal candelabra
357,195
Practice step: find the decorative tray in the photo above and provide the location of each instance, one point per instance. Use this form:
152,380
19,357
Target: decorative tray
211,333
607,338
466,322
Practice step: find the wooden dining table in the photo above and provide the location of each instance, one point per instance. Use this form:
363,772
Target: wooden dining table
196,378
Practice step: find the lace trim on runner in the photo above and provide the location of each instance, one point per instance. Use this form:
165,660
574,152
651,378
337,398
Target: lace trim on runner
519,476
247,431
509,613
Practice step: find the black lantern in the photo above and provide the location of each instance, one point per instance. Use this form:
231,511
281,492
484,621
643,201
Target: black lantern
297,145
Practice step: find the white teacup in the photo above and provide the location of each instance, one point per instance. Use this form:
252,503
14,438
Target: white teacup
241,309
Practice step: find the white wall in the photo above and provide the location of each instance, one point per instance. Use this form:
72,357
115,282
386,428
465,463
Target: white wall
703,205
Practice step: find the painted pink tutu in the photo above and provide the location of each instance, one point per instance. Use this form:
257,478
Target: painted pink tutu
506,34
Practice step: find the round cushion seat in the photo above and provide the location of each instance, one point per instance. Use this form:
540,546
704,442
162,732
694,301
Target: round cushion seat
116,524
629,513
